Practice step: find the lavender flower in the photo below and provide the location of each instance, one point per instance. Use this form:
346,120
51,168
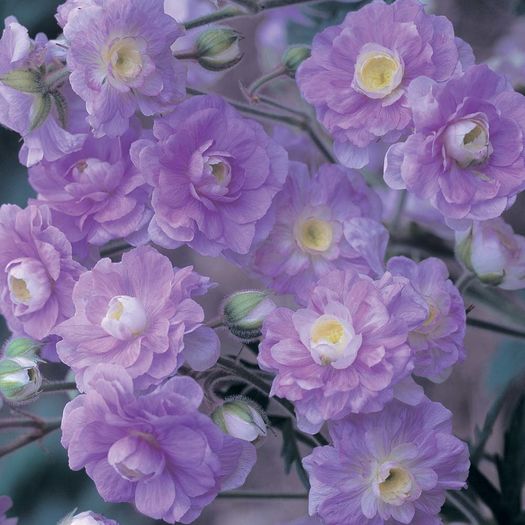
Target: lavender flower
120,61
438,340
37,272
347,350
325,222
466,155
5,505
52,124
138,314
494,253
96,194
156,451
214,175
359,72
392,467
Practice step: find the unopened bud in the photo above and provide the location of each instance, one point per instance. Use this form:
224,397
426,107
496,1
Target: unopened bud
218,49
241,418
244,313
22,346
20,379
24,80
86,518
293,57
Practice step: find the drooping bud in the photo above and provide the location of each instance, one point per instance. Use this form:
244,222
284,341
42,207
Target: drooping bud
86,518
20,379
293,57
244,313
22,347
241,418
494,253
218,48
24,80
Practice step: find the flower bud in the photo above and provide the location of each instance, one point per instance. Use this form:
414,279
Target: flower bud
244,313
20,379
22,346
494,253
86,518
24,80
241,418
293,57
218,49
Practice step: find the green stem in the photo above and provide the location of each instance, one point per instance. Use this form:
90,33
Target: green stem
273,103
464,281
58,386
265,79
261,495
466,508
492,327
191,54
38,433
303,123
239,371
400,209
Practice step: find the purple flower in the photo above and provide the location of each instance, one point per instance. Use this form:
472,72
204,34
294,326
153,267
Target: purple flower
466,155
120,60
346,350
87,518
214,175
96,194
438,341
139,314
5,505
494,253
60,130
156,450
393,467
325,222
37,272
359,71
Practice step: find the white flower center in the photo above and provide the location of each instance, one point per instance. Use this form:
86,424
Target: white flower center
28,283
378,71
125,59
467,142
314,235
396,487
125,318
333,342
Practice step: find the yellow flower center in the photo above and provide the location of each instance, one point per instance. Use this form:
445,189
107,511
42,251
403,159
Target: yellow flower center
125,59
315,235
19,289
396,487
220,171
330,331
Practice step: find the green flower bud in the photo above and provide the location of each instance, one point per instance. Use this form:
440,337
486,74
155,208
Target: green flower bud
24,80
244,313
293,57
218,49
22,346
20,379
241,418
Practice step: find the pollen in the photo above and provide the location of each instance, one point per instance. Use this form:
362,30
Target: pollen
19,289
330,331
378,72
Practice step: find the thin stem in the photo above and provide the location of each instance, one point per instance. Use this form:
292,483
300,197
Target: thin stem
261,495
303,124
265,388
265,79
38,433
113,249
492,327
466,508
19,422
191,54
252,5
400,209
58,386
271,102
464,281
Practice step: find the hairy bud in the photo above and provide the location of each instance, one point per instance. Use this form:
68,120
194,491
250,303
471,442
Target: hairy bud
244,313
22,346
20,379
241,418
293,57
218,49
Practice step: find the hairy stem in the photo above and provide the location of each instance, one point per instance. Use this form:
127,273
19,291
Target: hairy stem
492,327
58,386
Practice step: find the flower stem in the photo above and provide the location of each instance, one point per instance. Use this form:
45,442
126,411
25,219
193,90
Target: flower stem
191,54
303,123
46,427
265,79
400,209
466,508
492,327
58,386
464,281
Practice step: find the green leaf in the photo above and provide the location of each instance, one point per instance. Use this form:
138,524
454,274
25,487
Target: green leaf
41,108
23,80
61,107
